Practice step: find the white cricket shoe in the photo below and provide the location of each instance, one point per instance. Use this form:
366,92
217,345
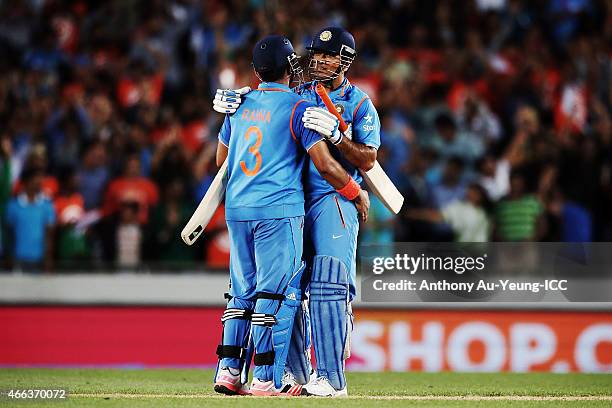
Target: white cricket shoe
229,383
321,387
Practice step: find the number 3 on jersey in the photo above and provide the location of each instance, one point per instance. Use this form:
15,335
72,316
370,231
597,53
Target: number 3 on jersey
254,149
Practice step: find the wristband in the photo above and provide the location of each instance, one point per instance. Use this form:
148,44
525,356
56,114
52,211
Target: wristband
351,190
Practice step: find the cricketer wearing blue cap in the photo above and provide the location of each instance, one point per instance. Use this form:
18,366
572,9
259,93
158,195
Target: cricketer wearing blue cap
265,143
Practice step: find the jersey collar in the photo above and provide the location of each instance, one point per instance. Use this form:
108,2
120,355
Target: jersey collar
273,86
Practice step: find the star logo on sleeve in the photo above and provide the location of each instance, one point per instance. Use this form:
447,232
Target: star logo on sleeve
368,118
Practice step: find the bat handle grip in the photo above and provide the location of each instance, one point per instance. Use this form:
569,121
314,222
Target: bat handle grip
320,90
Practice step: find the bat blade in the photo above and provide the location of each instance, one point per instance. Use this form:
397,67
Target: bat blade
207,207
382,186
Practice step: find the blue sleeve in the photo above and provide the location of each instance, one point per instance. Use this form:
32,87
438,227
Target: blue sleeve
304,136
366,125
49,214
225,131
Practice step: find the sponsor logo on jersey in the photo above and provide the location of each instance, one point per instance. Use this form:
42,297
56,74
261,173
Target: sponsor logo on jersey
367,127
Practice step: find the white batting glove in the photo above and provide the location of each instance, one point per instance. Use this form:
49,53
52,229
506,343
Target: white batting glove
323,122
348,133
228,100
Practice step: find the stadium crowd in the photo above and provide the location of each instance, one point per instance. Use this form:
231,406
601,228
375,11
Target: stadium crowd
495,119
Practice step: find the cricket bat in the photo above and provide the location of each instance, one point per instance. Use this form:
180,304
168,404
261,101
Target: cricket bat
375,178
207,207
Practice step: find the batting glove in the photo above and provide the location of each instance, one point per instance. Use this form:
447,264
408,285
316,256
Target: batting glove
323,122
228,100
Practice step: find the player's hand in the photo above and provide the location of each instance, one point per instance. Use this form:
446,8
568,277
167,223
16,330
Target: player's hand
322,121
362,202
228,100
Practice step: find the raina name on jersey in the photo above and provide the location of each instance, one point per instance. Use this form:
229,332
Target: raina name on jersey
257,115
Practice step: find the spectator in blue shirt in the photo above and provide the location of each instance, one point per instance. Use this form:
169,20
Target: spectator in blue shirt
30,218
452,185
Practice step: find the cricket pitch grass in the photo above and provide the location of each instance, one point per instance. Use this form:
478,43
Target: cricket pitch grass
193,388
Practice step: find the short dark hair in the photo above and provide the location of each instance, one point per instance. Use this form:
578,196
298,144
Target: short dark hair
273,75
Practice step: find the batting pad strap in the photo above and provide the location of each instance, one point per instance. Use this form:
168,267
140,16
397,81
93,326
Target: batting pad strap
263,319
234,313
230,351
270,296
264,358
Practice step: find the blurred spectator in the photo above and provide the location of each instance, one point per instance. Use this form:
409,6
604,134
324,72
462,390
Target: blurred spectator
467,218
37,159
93,175
476,118
30,217
452,185
128,238
69,206
518,216
574,221
133,189
450,141
167,220
494,174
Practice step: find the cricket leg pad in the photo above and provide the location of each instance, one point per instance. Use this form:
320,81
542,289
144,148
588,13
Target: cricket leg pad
329,311
235,349
298,359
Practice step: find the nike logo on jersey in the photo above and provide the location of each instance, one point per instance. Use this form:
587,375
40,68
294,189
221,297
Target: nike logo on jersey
336,236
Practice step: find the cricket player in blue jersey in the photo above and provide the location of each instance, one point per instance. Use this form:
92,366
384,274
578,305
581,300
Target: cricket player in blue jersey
265,143
331,222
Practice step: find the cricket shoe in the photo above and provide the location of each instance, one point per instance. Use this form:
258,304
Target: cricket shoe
229,383
321,387
290,385
264,388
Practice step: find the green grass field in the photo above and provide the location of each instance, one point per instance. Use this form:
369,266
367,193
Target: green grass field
192,388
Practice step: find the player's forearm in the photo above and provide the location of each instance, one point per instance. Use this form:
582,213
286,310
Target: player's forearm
358,154
334,174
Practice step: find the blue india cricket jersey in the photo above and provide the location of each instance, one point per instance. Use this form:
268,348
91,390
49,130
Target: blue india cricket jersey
359,112
267,144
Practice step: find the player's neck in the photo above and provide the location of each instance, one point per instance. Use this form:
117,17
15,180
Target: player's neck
335,84
283,81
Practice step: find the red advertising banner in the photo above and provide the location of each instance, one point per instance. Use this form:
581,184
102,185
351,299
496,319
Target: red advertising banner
116,336
382,340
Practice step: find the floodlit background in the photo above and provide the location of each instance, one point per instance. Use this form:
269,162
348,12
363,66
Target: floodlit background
495,126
